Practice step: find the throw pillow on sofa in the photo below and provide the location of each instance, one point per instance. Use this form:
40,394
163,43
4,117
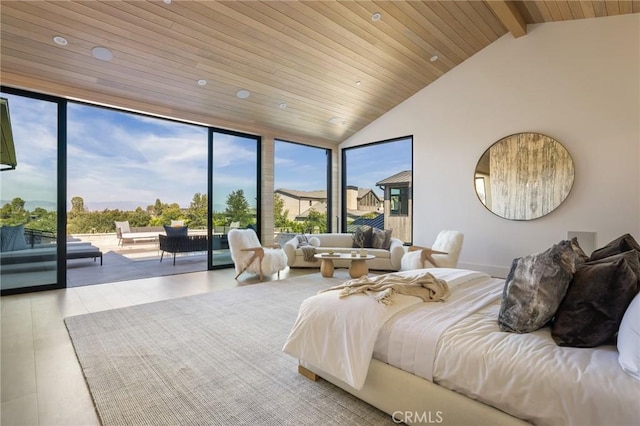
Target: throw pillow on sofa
381,238
12,238
596,301
363,237
536,285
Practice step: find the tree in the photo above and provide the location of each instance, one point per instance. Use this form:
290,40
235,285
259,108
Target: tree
237,208
13,213
280,215
197,213
316,221
77,205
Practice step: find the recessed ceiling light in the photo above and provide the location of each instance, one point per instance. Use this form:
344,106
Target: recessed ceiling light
282,105
167,1
60,40
336,120
102,53
376,17
358,83
243,94
433,58
202,82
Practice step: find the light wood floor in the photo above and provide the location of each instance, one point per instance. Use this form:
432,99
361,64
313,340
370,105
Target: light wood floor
42,383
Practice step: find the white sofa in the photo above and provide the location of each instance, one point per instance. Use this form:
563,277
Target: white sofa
386,260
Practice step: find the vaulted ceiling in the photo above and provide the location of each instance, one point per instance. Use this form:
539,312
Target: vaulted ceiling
315,71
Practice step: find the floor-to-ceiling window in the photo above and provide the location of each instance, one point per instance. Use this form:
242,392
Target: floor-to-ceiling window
29,192
302,196
234,189
377,187
137,170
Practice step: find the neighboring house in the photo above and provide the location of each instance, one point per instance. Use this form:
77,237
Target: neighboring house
360,201
297,202
398,204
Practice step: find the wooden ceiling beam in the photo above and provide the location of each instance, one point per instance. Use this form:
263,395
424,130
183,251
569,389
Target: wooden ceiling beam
508,14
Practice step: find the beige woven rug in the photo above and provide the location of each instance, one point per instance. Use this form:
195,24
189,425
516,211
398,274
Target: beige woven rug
211,359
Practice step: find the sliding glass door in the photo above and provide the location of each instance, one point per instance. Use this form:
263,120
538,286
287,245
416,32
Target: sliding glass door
29,190
234,188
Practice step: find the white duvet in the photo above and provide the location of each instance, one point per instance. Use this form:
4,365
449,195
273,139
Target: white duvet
339,334
462,349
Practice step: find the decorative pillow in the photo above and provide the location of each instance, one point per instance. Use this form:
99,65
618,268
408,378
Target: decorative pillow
536,285
12,238
303,240
364,235
382,238
619,245
595,303
314,241
631,256
629,339
176,231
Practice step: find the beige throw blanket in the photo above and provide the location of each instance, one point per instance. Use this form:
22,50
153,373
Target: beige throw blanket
308,252
382,287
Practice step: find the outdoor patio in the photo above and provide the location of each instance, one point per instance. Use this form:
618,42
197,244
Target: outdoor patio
132,261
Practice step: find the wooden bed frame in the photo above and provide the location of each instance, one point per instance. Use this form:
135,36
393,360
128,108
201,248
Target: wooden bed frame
413,400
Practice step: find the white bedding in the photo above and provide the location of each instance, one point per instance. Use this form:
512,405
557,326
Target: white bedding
525,375
339,334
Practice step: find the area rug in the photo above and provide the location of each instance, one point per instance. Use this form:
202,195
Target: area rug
211,359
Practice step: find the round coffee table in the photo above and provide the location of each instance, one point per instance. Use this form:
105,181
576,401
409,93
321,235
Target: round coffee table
326,267
358,265
357,268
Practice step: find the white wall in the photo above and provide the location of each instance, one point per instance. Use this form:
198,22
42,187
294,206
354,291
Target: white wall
576,81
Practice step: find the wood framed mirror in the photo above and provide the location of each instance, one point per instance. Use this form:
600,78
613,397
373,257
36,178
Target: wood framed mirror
524,176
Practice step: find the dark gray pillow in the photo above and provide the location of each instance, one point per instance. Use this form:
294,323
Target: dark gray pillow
363,235
621,244
596,301
382,238
176,231
536,285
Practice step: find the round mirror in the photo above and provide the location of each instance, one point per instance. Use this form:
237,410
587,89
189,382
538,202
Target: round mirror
524,176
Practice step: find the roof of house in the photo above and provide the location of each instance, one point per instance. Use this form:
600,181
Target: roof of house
402,177
319,207
309,195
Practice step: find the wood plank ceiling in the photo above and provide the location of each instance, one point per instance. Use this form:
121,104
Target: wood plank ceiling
316,71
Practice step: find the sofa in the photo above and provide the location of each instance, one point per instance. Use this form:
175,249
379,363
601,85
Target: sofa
386,260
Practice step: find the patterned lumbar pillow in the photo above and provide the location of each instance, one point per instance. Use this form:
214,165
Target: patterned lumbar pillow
596,301
536,285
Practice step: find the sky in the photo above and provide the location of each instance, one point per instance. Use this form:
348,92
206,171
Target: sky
121,160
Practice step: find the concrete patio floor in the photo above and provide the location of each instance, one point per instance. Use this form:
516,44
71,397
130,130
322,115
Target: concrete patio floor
133,261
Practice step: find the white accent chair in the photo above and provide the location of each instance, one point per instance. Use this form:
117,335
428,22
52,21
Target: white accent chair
248,254
444,253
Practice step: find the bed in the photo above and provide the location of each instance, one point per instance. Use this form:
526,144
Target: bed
448,363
